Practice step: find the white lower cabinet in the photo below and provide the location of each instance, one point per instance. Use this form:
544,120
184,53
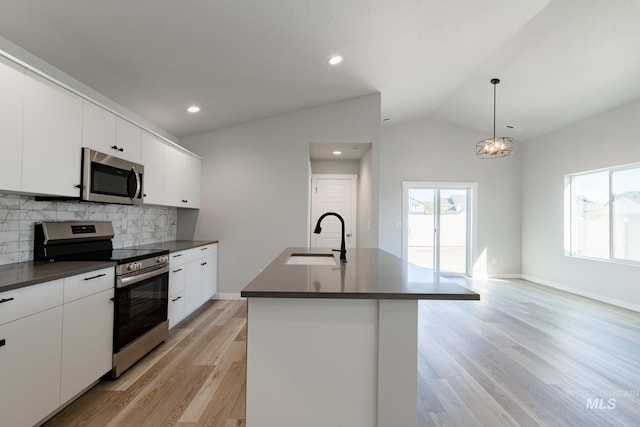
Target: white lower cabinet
30,367
55,341
209,266
192,280
30,353
87,342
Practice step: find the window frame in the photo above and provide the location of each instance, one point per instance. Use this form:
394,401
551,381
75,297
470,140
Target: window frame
569,200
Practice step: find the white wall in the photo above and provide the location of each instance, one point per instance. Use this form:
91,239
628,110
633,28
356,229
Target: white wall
323,166
429,150
608,139
367,236
255,183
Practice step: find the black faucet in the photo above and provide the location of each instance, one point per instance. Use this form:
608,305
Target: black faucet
318,229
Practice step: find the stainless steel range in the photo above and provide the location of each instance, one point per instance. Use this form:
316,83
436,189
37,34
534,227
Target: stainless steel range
141,288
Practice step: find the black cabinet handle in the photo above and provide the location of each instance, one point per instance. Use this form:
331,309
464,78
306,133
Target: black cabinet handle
174,300
203,249
115,147
78,186
95,277
3,342
121,149
204,263
175,271
185,201
176,256
6,300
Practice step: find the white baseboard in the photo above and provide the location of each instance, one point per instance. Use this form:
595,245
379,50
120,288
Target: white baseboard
227,296
505,276
590,295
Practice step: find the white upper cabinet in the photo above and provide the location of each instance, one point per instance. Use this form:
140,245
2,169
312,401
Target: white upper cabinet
152,158
181,178
107,133
128,140
52,139
98,128
11,110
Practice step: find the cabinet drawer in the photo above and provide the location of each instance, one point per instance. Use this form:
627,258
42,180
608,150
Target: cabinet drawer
176,309
82,285
178,258
23,302
176,280
208,250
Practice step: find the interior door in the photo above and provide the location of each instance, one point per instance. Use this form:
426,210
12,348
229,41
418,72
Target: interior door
437,226
333,193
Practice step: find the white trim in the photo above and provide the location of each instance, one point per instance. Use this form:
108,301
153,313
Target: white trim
590,295
227,296
505,276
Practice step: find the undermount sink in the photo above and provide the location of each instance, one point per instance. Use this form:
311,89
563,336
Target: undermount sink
311,259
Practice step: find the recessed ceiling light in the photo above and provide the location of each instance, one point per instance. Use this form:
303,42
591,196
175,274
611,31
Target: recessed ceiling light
337,153
335,60
193,109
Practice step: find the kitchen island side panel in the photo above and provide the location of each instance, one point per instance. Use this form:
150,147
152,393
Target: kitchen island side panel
312,362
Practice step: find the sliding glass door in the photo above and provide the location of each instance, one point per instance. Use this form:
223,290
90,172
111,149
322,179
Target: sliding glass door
437,226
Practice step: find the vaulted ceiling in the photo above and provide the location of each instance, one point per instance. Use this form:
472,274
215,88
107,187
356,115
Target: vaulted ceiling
559,60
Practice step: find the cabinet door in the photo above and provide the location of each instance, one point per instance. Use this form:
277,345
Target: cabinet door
152,158
87,342
182,179
192,287
11,116
98,128
209,277
174,178
128,139
30,355
193,172
209,264
52,139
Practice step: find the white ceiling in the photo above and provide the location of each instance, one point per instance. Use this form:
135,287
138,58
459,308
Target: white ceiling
559,60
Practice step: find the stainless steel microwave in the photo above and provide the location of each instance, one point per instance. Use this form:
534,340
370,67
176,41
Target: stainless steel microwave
110,179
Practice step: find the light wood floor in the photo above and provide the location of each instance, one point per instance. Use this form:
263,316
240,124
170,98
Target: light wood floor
524,355
197,378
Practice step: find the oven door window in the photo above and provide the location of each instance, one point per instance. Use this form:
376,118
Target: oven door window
139,308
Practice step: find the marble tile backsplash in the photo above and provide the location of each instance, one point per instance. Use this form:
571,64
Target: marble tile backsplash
133,225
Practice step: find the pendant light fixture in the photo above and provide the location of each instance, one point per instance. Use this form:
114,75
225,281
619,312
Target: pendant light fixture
495,147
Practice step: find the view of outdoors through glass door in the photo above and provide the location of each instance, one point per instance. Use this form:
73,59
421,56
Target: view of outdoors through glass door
438,228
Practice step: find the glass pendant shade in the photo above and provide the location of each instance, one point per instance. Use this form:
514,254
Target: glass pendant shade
498,146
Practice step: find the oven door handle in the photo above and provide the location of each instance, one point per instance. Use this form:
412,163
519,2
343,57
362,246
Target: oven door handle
124,281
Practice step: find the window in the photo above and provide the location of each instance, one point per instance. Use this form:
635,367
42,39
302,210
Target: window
603,210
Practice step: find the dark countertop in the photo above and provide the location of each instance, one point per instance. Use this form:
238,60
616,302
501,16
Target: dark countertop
368,274
176,245
19,275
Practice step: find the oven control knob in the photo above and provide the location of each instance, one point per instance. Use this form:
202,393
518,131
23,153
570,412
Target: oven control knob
131,267
138,266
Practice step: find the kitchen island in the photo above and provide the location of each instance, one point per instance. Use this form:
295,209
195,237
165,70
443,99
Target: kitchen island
336,344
